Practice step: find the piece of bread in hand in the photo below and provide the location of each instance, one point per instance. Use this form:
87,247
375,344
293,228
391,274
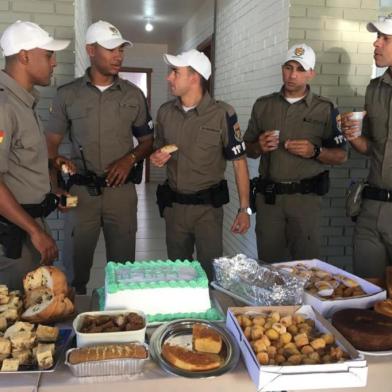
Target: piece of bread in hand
46,276
169,148
206,339
47,334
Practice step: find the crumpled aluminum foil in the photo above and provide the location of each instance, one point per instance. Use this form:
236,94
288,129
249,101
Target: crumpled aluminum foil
259,284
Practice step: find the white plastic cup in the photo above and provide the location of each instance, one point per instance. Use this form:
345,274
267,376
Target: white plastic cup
276,133
357,116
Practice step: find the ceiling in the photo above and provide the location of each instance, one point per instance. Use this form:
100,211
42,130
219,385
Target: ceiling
129,16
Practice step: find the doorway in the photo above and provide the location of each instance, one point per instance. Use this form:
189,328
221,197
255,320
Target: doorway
141,77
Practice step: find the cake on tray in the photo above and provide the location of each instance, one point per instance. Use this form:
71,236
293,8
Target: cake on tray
158,288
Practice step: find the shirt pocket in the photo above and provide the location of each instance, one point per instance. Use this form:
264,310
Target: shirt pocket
128,111
208,138
377,121
313,129
81,126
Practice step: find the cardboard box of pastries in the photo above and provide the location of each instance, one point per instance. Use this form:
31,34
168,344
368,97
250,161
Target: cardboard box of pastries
313,356
368,293
111,326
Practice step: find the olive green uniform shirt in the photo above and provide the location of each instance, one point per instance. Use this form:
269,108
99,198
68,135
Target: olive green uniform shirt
206,136
378,128
313,118
23,151
103,124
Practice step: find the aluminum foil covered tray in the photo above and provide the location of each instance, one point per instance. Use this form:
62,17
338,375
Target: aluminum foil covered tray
258,284
108,367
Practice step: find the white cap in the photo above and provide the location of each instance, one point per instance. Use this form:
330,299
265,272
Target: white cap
26,36
303,54
383,26
193,58
106,35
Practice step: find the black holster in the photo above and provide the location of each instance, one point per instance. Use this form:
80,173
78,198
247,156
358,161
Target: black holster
136,173
253,194
219,194
12,236
164,197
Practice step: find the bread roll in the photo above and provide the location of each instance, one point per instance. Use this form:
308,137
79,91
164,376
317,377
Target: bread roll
46,276
107,351
169,148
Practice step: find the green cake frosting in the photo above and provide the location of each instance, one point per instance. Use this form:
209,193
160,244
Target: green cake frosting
211,314
154,274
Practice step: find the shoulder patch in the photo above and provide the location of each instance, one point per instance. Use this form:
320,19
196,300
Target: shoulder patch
2,135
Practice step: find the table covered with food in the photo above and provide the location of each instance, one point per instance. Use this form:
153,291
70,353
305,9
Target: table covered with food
303,325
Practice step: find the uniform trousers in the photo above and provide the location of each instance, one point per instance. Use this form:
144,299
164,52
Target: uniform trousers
114,211
12,271
190,226
288,229
373,239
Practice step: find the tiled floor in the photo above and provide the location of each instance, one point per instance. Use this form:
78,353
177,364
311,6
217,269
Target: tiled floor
150,237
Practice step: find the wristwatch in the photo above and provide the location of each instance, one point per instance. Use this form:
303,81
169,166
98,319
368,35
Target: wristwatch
246,210
317,151
133,156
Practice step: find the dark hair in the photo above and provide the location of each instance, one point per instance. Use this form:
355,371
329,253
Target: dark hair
203,82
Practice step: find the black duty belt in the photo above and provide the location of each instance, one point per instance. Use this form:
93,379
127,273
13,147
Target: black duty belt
40,210
289,188
373,193
80,179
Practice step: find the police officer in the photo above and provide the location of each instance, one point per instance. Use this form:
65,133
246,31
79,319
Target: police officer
207,134
373,231
101,114
294,132
24,177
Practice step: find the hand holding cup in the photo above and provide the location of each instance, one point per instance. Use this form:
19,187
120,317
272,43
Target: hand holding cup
352,124
269,140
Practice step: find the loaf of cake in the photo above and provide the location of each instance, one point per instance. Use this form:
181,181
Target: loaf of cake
107,351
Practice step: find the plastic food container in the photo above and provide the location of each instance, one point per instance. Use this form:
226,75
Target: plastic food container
89,339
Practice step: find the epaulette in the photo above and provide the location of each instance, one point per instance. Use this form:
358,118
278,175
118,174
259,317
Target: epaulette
69,83
262,98
325,99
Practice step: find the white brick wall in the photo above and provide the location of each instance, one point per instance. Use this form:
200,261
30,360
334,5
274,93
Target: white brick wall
337,32
251,42
82,22
57,18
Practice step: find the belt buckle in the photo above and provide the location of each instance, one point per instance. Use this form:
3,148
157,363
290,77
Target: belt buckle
388,196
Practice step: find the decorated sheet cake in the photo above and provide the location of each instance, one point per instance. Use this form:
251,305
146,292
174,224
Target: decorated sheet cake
161,289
